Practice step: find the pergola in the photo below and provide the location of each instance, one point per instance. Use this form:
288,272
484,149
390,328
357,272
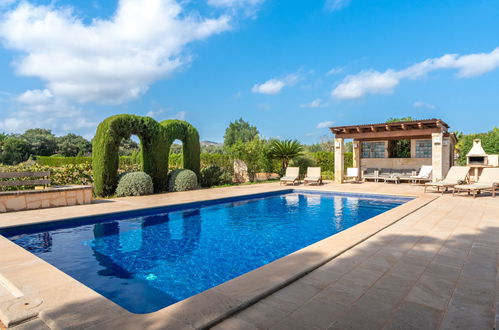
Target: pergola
431,144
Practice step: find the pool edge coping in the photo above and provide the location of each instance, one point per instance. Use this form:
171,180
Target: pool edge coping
247,289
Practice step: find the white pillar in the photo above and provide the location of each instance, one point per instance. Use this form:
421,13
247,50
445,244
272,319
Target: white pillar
339,160
437,156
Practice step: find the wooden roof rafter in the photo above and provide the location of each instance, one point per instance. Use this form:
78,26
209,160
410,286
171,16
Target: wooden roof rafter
393,130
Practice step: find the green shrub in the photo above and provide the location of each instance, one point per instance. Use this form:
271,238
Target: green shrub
303,162
175,161
182,180
134,184
324,160
60,161
221,160
211,176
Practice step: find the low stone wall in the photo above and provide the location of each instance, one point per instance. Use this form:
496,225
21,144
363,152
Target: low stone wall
398,163
52,197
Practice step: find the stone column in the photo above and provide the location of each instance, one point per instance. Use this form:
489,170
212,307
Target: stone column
413,148
437,156
447,155
339,160
356,154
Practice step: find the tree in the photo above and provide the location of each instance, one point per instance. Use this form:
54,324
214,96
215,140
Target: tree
15,150
394,120
399,148
239,130
72,145
41,141
253,153
490,143
285,151
128,147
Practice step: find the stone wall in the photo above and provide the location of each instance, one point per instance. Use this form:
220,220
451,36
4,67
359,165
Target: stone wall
52,197
399,163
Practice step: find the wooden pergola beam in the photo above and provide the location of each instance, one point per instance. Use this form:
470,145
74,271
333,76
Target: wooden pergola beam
390,135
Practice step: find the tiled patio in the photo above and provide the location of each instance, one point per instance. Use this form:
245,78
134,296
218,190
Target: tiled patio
435,269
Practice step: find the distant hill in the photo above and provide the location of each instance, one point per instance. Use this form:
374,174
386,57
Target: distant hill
210,143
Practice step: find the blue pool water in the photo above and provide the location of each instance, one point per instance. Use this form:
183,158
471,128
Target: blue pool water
147,260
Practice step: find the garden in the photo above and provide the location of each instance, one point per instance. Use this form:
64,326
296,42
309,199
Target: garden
69,158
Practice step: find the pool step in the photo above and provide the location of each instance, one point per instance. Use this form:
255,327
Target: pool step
15,307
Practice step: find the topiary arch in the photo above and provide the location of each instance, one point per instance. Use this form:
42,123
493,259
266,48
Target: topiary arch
191,148
155,140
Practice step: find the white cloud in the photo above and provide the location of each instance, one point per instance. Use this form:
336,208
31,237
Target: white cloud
275,85
317,103
325,124
234,3
333,5
421,104
334,71
155,113
180,115
35,96
109,61
39,108
5,3
375,82
161,114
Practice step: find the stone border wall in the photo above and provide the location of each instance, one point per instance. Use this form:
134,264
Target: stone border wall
11,201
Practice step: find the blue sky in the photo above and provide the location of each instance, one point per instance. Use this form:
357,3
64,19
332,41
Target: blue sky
292,68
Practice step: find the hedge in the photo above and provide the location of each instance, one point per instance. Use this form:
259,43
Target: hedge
191,147
155,139
105,160
61,160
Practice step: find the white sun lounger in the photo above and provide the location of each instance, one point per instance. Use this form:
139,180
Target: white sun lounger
292,175
456,175
488,181
424,174
352,174
313,175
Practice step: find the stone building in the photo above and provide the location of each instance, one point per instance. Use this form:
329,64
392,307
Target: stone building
431,143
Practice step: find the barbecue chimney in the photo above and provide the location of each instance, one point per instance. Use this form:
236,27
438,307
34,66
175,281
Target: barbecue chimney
477,155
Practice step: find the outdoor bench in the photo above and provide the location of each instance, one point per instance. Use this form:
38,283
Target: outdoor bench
25,179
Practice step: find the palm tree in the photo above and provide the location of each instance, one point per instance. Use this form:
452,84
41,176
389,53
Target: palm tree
285,151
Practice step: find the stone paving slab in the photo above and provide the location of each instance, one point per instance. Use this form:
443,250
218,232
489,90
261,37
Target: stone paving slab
435,269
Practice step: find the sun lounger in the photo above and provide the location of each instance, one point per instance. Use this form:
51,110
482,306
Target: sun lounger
398,175
352,174
292,175
370,174
313,175
424,174
407,173
488,181
456,175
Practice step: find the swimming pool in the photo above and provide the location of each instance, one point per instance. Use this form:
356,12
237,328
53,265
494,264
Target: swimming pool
146,260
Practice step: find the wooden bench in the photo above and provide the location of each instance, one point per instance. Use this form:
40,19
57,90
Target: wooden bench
26,179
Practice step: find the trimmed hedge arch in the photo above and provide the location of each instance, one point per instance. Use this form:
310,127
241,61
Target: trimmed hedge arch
191,148
155,141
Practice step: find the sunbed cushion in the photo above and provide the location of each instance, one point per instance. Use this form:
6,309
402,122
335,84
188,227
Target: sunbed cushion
475,186
369,171
385,172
